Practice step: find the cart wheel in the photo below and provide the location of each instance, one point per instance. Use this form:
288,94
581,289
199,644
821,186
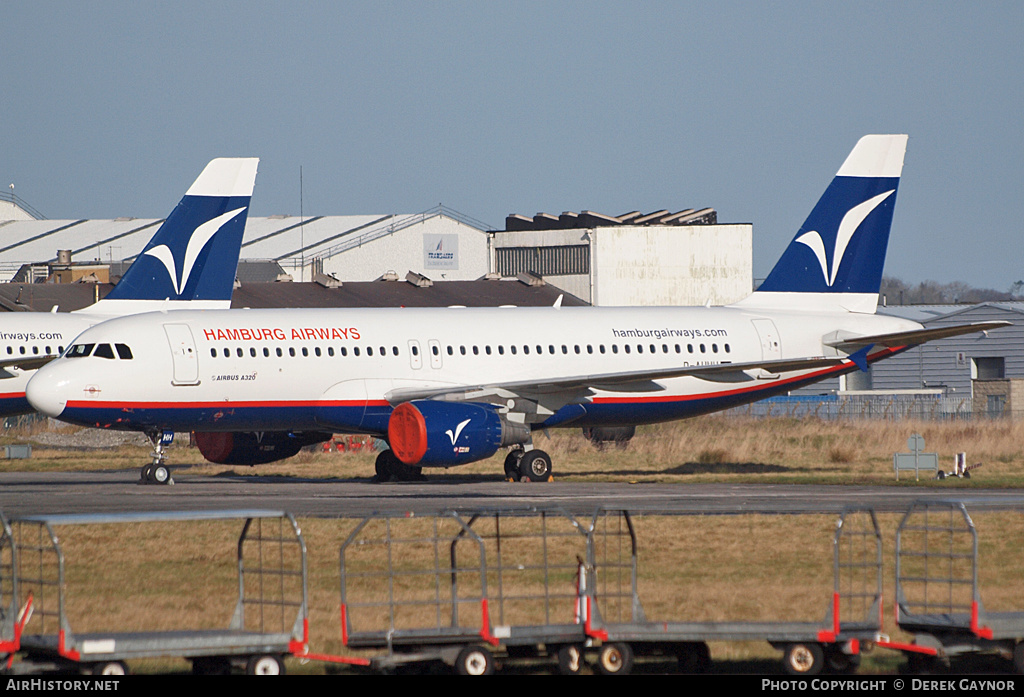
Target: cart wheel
570,659
206,665
804,659
615,659
110,668
923,664
264,665
694,657
941,475
474,660
839,662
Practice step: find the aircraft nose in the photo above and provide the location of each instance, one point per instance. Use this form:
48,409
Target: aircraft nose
46,394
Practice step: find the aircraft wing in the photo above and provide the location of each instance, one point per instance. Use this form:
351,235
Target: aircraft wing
640,380
917,336
25,362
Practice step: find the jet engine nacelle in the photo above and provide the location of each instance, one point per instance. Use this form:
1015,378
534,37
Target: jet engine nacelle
226,448
428,433
619,435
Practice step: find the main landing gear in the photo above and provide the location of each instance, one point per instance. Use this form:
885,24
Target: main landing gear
528,466
390,469
156,472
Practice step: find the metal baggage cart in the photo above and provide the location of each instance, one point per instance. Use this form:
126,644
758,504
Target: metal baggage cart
616,618
463,588
268,622
938,597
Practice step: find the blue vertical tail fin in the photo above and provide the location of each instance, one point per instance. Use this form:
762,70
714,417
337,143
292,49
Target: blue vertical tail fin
193,257
835,260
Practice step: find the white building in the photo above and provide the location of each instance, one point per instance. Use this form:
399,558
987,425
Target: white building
657,259
440,244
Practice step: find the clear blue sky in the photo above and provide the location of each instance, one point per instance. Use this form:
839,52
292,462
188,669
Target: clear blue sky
112,108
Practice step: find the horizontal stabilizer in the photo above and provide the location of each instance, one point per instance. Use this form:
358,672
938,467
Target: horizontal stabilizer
26,362
918,336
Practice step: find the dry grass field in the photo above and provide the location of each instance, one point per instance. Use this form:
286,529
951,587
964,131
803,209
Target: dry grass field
706,449
748,567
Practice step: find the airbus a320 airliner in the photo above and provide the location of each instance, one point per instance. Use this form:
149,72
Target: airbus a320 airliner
190,262
450,386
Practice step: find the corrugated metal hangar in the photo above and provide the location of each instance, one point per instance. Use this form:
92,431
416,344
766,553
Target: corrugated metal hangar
438,242
980,374
659,258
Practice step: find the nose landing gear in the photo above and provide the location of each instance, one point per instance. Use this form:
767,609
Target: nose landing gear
156,472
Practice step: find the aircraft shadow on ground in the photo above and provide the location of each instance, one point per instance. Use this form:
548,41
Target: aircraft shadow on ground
726,468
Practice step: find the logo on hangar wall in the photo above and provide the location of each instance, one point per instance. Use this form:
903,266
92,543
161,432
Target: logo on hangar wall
440,251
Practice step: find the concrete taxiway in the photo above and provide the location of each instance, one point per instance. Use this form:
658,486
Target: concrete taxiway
31,493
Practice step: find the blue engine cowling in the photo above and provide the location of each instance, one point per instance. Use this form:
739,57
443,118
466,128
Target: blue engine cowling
428,433
226,448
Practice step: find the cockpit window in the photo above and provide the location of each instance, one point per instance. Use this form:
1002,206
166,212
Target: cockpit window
104,351
123,352
79,350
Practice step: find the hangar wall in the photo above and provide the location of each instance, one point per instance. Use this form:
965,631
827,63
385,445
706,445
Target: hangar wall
641,265
439,248
689,265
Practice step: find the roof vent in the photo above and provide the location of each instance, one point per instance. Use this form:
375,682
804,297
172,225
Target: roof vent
530,278
418,280
322,279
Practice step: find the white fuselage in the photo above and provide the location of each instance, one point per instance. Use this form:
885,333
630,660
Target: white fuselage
340,369
26,336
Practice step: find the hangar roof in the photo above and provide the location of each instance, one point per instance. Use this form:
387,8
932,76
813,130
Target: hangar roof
41,297
928,313
273,237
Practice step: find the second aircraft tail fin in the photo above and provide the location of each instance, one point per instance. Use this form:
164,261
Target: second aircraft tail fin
194,255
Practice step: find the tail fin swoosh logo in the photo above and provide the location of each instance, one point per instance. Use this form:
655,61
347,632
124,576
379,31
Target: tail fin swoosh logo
847,227
202,234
